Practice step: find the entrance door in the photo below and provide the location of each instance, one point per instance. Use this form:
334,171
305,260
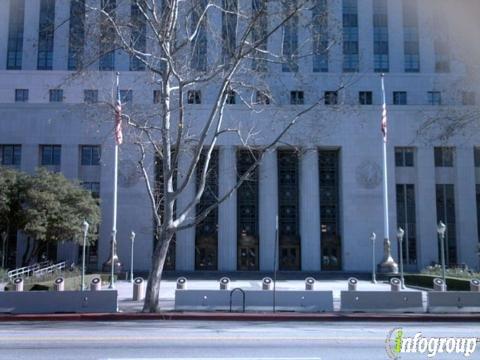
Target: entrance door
331,253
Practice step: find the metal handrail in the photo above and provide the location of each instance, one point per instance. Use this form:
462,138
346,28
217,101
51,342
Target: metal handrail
26,271
50,269
243,298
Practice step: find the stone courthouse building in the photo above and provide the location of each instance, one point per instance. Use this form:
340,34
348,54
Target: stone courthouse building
324,180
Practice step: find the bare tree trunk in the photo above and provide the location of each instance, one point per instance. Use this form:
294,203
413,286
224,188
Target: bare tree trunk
151,303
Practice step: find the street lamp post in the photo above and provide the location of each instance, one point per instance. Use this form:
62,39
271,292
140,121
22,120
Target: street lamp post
441,228
373,236
400,234
132,239
85,226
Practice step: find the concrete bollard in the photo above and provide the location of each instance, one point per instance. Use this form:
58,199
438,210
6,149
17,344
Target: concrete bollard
267,283
475,285
182,283
224,283
96,284
395,284
309,283
439,285
138,289
18,283
59,284
352,284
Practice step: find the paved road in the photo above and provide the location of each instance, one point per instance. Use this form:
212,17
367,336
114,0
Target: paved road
185,340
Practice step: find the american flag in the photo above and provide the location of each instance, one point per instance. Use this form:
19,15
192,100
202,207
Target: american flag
118,118
384,113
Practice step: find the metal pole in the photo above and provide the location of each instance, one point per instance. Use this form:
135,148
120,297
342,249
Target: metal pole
385,176
442,249
275,264
132,238
85,232
373,236
400,242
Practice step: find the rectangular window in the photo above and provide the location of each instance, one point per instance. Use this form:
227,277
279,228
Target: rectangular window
90,96
229,29
11,155
365,98
445,196
200,41
50,155
45,35
296,97
476,155
380,36
259,34
434,98
107,36
194,97
320,35
350,36
126,96
76,40
138,34
406,219
399,98
231,97
442,56
262,98
331,98
404,156
444,156
468,98
93,187
21,95
90,155
56,95
15,35
410,34
290,37
157,96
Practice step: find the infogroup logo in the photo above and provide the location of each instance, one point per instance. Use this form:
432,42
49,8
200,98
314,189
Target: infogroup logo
397,343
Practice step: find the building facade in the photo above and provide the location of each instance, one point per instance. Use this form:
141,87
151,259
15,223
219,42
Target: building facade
323,181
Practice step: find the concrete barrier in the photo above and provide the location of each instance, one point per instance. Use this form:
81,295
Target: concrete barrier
42,302
381,301
453,302
255,300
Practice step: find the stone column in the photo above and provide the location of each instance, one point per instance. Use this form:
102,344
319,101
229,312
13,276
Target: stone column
30,34
310,211
268,209
61,35
227,211
185,239
425,199
365,36
466,207
4,16
395,36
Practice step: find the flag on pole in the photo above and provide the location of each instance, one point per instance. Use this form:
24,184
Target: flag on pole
118,117
384,112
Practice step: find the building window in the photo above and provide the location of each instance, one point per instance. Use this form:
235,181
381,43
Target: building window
290,37
56,95
320,35
157,96
380,36
194,97
126,96
476,155
107,36
262,98
138,34
231,98
434,98
90,96
399,98
406,219
477,188
15,35
90,155
76,41
445,196
404,156
365,98
331,98
469,98
229,29
45,35
259,34
296,97
50,155
442,56
444,156
410,34
93,187
21,95
11,155
350,36
199,42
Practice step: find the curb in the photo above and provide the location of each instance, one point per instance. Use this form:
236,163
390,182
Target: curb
226,316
